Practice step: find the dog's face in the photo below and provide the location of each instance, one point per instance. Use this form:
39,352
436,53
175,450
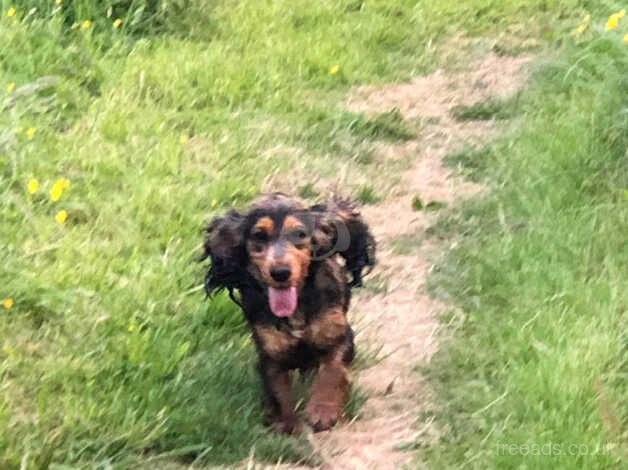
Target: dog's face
279,248
276,243
272,243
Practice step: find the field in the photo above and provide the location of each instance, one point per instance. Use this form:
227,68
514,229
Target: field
126,124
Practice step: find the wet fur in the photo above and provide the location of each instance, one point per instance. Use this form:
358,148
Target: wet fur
317,336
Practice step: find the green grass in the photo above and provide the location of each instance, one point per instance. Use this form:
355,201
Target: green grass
493,108
367,195
110,353
472,162
111,356
534,372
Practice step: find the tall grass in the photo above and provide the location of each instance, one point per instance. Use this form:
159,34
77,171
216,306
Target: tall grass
535,373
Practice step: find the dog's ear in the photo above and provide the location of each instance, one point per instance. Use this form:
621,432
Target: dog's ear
224,246
324,231
340,228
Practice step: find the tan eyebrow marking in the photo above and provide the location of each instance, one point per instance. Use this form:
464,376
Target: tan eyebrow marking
266,224
292,223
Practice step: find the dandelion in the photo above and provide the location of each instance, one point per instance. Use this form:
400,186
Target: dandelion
10,87
30,133
7,303
11,12
117,23
61,217
57,191
86,24
184,139
32,186
613,21
334,69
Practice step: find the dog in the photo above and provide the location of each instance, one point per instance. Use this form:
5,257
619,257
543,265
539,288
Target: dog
291,269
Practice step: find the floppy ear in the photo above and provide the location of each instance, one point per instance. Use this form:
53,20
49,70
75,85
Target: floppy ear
224,246
340,228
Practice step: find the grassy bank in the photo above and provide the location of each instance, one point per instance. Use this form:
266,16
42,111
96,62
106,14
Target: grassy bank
535,372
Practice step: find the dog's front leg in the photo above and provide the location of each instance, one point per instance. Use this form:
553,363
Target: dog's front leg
278,402
329,392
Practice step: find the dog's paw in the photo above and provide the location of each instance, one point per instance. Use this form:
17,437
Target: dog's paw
322,415
286,425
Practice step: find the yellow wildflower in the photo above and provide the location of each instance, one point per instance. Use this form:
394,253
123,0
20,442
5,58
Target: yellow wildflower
10,87
214,203
626,38
58,2
33,186
117,23
61,217
30,133
11,12
86,24
334,69
613,21
7,303
184,139
132,327
586,18
56,191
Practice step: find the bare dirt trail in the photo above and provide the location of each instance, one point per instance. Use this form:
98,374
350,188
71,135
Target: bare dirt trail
403,321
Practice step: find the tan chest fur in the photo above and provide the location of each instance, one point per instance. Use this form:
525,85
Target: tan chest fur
320,332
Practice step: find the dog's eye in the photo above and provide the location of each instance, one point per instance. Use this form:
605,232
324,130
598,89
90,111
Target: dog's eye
298,236
260,236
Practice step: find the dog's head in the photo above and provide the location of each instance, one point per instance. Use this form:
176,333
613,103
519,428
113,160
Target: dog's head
273,246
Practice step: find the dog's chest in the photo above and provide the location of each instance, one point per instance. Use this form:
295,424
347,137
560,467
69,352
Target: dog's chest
281,340
296,325
321,331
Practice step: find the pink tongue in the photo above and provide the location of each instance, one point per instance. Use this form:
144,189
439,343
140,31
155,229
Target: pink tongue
283,302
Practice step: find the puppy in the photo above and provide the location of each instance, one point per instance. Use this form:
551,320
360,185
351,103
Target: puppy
291,269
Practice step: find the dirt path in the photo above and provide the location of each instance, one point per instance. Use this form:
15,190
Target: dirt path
403,320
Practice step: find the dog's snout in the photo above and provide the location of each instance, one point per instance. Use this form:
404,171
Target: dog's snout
280,273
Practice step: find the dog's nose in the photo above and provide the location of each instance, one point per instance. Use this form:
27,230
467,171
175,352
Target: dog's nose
280,273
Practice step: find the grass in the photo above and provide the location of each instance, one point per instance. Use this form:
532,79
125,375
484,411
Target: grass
471,161
493,108
534,372
367,195
110,353
111,357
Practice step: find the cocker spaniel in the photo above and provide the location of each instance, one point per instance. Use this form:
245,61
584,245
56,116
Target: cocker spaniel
291,269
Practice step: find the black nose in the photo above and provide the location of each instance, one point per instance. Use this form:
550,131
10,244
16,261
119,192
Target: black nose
280,273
